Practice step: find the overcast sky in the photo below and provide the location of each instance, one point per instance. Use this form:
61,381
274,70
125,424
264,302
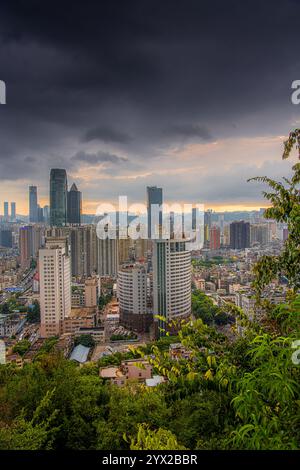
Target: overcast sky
189,95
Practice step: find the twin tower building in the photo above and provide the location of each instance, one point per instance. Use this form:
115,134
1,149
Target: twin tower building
65,206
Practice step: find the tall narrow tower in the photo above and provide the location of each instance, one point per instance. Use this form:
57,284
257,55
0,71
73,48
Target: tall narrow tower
58,197
171,279
33,205
55,286
154,199
74,206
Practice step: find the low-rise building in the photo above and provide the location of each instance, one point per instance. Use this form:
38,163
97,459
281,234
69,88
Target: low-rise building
133,369
114,374
80,317
96,332
178,351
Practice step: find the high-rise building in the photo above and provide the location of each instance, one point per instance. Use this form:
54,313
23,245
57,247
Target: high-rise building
6,240
154,197
6,211
215,238
74,205
172,224
38,236
140,249
259,233
58,197
171,279
239,235
13,211
46,214
194,218
207,226
40,214
225,238
83,241
92,291
55,286
132,295
83,247
33,204
30,241
107,257
125,249
26,245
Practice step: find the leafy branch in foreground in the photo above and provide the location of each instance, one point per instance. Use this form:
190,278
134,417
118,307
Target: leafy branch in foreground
285,199
159,439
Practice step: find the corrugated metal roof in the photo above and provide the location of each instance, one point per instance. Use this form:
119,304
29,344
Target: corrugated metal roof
80,353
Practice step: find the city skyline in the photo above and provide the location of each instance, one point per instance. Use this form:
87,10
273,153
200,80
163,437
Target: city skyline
90,209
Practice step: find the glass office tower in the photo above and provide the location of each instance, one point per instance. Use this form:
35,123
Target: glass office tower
58,197
33,205
74,206
154,197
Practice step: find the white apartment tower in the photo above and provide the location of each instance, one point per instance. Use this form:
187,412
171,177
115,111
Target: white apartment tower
171,279
132,289
132,295
55,286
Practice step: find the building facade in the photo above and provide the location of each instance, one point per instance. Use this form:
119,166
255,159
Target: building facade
74,204
171,279
58,197
12,211
132,295
215,238
55,286
92,291
33,204
154,197
239,235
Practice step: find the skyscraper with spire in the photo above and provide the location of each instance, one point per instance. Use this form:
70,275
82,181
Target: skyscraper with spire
74,206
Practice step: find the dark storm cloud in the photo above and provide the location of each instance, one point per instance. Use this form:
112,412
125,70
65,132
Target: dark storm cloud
96,158
161,61
138,76
106,135
188,131
29,159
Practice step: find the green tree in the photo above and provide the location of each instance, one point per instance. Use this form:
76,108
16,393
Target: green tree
85,340
33,315
34,434
127,408
285,199
158,439
22,347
